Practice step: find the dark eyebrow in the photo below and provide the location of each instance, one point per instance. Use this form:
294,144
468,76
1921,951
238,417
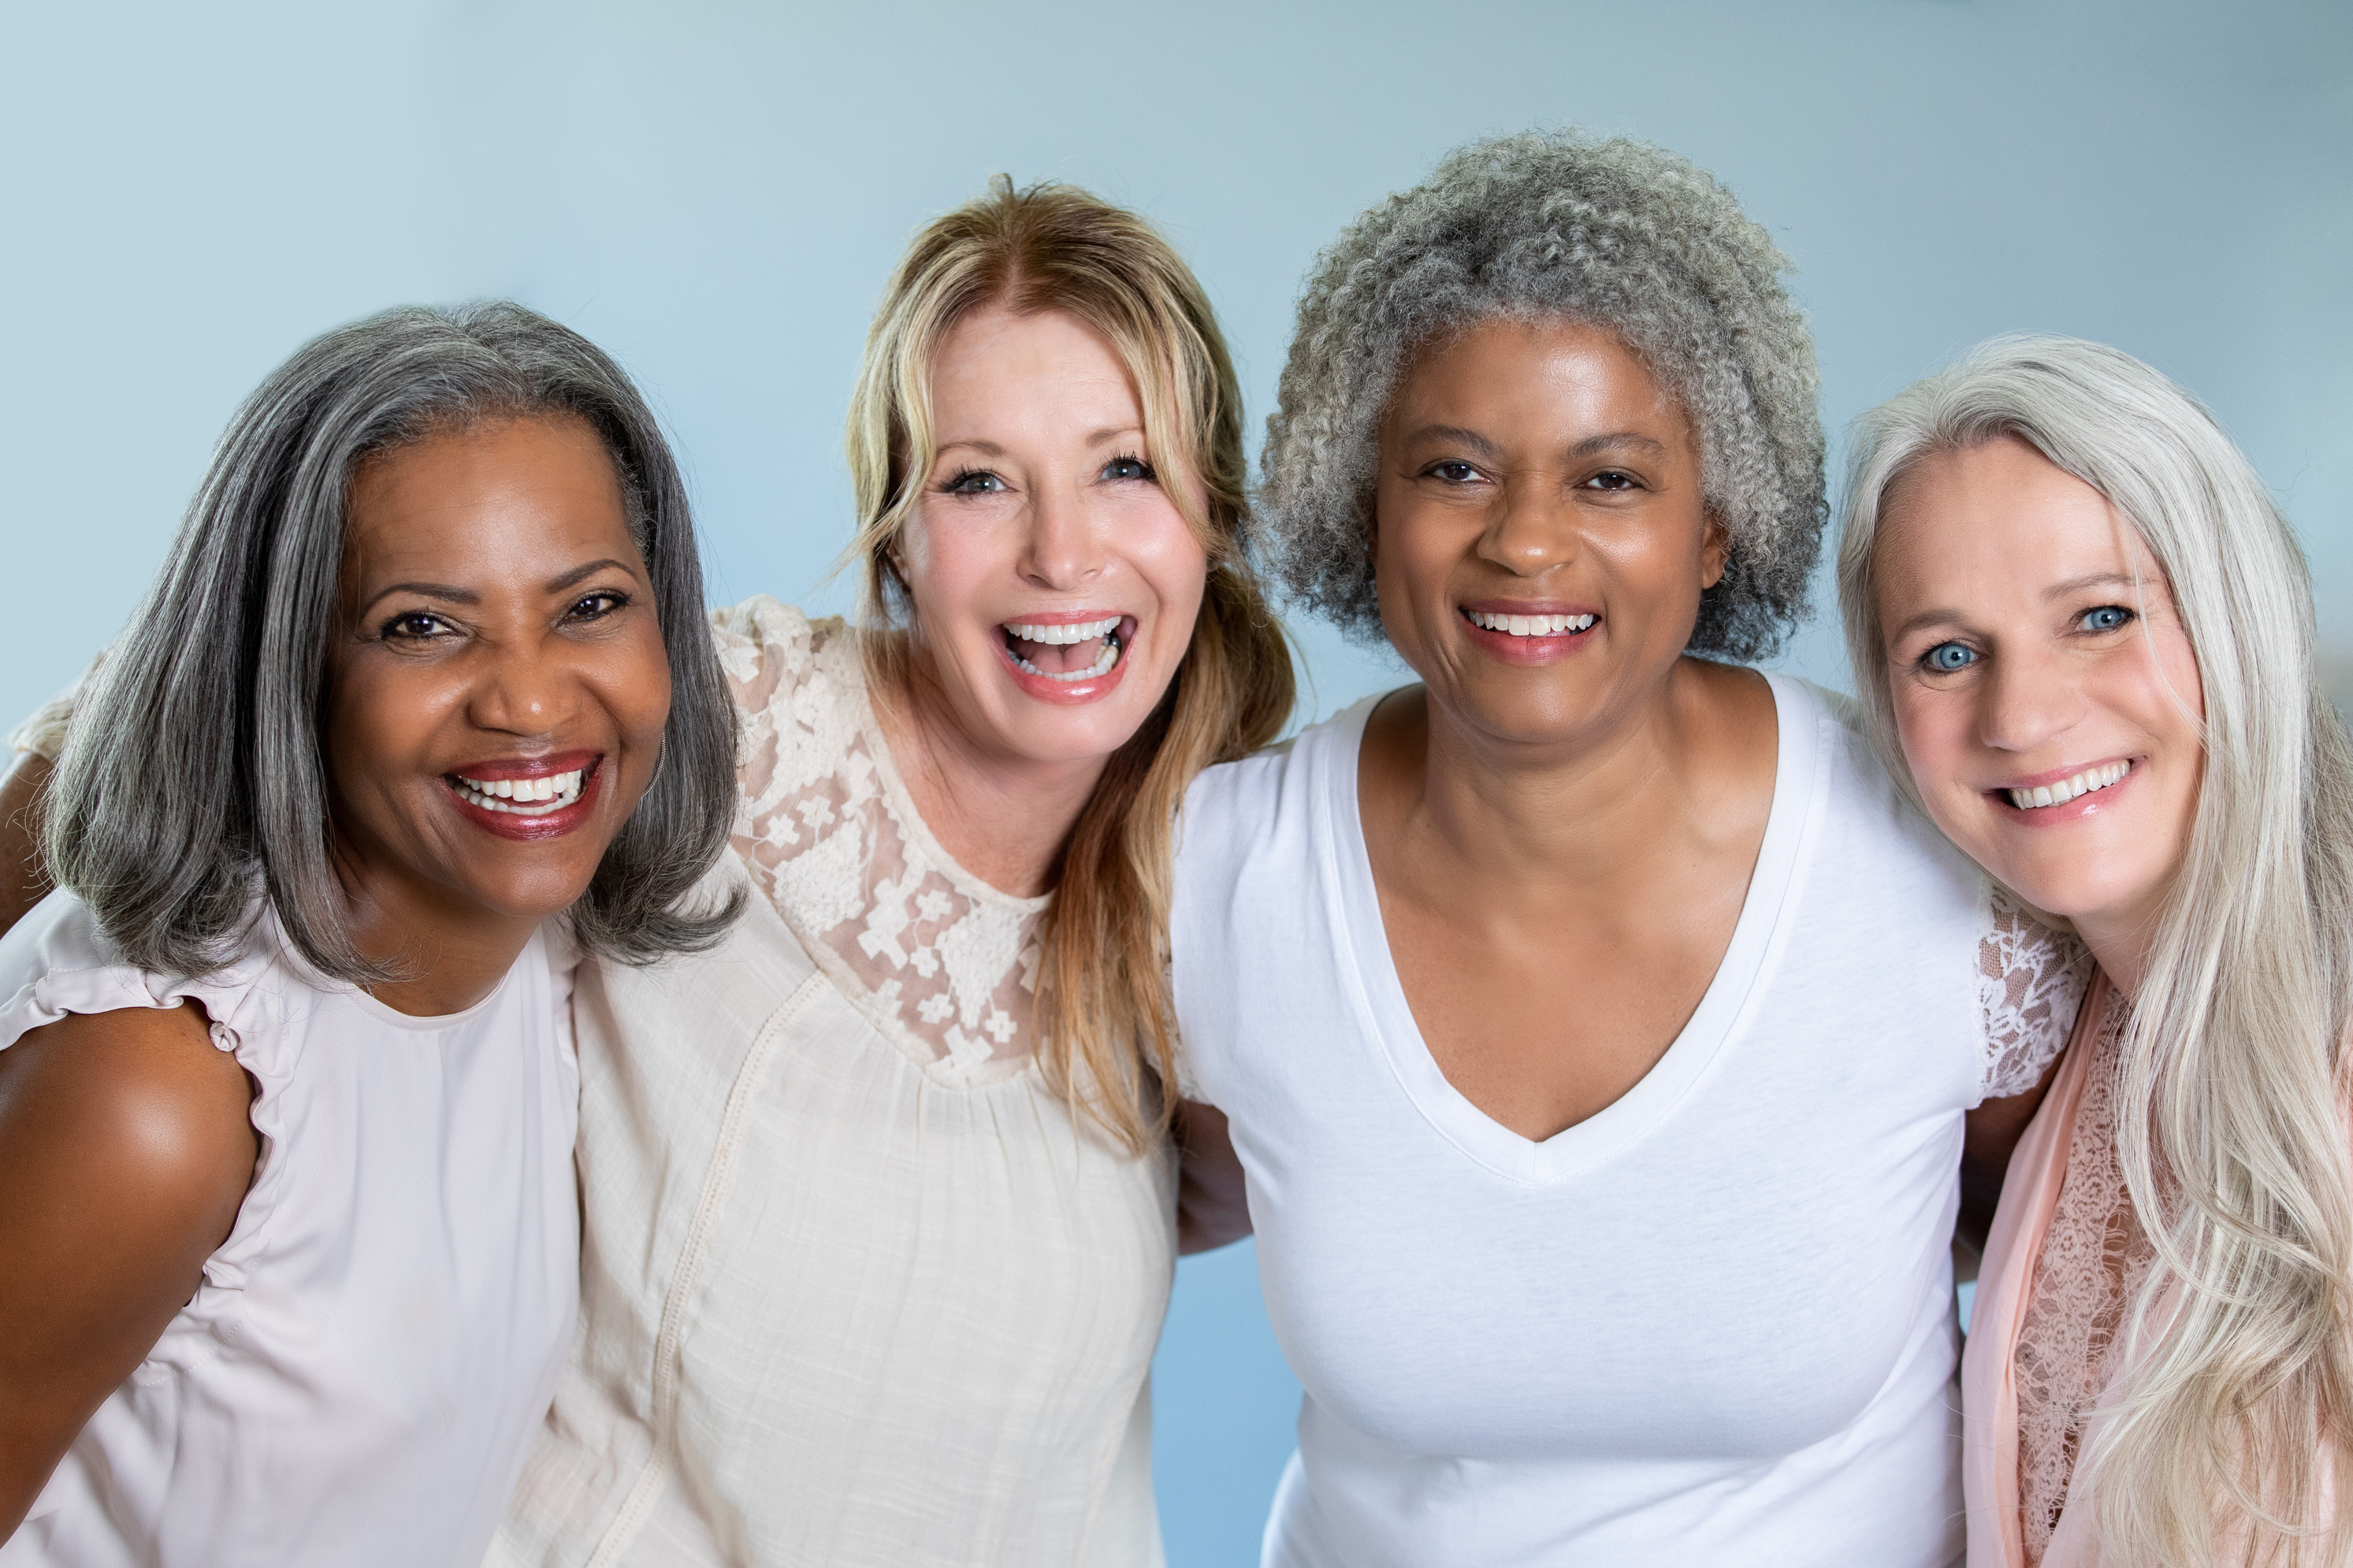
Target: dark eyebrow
1455,433
1594,445
557,584
451,594
425,591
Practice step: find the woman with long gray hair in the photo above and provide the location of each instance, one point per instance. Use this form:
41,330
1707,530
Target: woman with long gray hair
287,1083
1599,1032
2084,638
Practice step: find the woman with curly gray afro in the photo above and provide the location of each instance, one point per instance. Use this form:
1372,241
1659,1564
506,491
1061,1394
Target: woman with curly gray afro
1535,225
1597,1032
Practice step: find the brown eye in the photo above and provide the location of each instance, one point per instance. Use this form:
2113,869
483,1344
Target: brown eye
597,606
417,626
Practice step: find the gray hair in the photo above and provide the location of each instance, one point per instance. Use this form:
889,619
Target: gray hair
2231,1125
1554,224
193,778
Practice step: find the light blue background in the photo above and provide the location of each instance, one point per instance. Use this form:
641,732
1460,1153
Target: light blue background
715,193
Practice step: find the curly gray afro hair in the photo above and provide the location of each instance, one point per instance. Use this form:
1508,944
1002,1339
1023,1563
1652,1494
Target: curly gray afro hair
1555,224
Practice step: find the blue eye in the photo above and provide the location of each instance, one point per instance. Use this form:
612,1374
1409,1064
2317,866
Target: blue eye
1127,466
2106,618
974,482
1947,657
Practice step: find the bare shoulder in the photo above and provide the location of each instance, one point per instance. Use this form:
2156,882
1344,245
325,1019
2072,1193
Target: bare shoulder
126,1147
132,1110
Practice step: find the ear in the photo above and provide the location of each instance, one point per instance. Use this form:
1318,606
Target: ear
1715,552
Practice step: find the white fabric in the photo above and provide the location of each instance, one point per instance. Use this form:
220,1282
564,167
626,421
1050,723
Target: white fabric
1712,1323
854,1295
373,1347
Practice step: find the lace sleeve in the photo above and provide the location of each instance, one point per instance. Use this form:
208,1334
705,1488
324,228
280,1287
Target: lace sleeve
2030,979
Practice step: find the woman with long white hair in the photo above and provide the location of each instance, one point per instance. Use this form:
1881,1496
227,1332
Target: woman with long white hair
2084,637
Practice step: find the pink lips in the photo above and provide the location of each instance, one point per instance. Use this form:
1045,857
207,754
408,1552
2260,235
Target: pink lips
555,823
1068,693
1549,647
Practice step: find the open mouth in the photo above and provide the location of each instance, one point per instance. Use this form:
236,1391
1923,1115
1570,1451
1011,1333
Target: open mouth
2067,789
540,796
1067,651
1529,626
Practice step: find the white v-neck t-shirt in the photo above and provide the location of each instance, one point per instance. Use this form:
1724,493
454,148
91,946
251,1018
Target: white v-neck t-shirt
1712,1322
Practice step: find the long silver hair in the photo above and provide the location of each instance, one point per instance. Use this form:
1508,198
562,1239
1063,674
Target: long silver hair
2232,1129
193,778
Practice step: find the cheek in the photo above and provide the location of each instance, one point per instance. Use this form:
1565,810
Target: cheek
944,568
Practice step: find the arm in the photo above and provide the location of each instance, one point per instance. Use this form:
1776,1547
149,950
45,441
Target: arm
24,873
1993,1131
1212,1200
126,1149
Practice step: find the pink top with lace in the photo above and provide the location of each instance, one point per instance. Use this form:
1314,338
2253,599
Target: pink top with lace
944,965
2091,1262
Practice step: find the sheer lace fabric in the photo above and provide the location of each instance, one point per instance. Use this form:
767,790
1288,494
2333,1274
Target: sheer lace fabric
944,965
2092,1261
2030,979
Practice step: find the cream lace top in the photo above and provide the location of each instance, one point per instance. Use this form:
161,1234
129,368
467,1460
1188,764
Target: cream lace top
858,1287
2092,1264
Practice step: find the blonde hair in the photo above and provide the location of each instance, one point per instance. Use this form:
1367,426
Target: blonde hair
2232,1133
1107,1032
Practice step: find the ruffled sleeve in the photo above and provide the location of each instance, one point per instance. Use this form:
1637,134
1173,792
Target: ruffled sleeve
2030,980
55,961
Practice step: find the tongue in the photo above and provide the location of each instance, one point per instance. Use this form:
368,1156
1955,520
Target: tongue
1059,659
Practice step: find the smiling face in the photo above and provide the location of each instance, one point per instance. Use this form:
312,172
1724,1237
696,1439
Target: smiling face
1055,582
1541,543
497,696
2045,690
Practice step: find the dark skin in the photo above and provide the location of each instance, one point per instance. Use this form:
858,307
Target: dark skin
1559,827
494,609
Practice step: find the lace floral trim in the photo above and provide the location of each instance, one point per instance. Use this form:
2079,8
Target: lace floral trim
2092,1262
945,965
2030,979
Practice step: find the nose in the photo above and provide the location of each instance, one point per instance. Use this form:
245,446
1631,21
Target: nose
1065,548
2028,698
523,688
1531,531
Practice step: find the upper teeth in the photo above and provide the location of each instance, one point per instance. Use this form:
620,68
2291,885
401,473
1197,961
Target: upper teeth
523,797
2065,790
1076,631
1530,626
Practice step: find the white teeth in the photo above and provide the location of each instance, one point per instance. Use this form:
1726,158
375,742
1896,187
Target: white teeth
522,797
2065,790
1530,626
1080,631
1102,665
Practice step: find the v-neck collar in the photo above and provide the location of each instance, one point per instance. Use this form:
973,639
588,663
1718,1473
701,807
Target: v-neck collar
1371,976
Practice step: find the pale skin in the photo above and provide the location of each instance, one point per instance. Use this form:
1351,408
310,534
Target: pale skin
2031,640
1042,500
1043,504
495,612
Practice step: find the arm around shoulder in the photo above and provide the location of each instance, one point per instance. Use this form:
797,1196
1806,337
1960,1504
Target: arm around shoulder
126,1147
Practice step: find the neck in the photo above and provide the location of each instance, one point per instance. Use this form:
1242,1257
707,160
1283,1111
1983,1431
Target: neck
1587,812
1003,818
444,953
2121,940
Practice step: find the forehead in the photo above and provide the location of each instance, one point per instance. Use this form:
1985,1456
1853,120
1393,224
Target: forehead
1552,371
1999,520
484,490
996,352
